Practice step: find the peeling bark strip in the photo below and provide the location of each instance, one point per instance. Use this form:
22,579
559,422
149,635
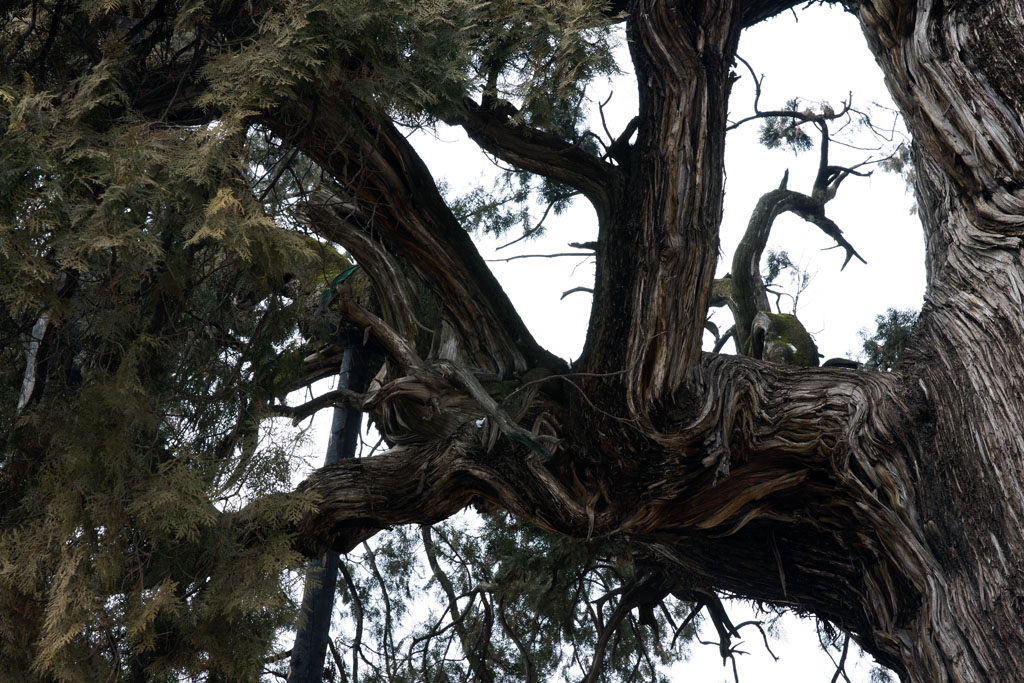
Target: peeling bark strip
890,504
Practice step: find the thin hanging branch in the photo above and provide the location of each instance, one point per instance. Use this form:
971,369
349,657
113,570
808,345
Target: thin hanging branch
554,255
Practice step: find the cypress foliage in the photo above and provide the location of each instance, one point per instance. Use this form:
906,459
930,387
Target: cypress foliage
169,324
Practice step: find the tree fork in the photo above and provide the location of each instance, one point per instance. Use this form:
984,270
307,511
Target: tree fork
858,466
809,468
894,502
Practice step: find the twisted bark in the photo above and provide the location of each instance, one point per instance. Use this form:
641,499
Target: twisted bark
392,211
656,257
887,503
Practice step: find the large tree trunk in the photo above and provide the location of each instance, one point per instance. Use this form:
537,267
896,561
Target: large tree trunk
889,504
954,70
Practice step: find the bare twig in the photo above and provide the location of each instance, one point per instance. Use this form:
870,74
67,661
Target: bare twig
357,614
729,334
841,664
387,643
539,225
576,289
556,255
528,673
337,660
764,636
477,659
757,82
604,124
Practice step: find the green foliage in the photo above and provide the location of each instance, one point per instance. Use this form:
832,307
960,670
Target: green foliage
525,599
785,131
482,210
900,161
416,61
541,55
776,262
881,350
513,202
552,589
880,675
166,292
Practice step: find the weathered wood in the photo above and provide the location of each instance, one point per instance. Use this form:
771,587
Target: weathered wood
888,503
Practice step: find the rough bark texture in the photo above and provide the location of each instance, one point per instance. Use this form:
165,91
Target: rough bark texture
658,252
888,503
955,73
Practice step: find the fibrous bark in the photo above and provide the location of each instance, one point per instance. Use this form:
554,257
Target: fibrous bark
889,504
954,72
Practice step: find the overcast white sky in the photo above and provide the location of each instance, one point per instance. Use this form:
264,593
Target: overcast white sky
821,57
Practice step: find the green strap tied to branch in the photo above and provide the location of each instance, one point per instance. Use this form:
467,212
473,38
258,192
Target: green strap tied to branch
332,288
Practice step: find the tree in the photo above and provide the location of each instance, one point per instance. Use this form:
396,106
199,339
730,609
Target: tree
161,162
882,349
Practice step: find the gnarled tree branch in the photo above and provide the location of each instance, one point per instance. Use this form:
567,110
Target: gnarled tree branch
539,151
797,449
398,205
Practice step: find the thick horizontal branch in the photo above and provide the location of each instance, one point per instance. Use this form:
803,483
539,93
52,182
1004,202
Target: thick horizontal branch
336,397
802,116
748,446
423,485
807,456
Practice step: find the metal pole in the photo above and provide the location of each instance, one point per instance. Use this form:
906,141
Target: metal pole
310,649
